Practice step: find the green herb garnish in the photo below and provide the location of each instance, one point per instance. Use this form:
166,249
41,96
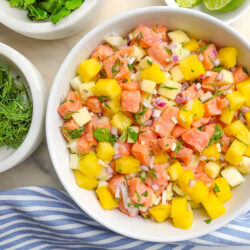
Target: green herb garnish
217,135
135,205
221,92
132,134
167,87
138,115
178,147
145,194
131,66
216,188
149,63
103,134
240,115
116,68
104,100
75,133
139,37
203,48
138,196
208,221
245,70
146,216
218,68
151,173
168,51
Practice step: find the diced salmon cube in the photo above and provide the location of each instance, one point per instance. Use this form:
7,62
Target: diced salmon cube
197,139
162,144
239,74
130,86
102,52
115,181
158,53
131,213
94,104
207,83
178,131
161,31
141,153
130,101
83,146
99,124
204,178
68,126
125,149
209,55
201,122
185,155
189,94
146,116
215,106
146,135
225,142
127,51
209,129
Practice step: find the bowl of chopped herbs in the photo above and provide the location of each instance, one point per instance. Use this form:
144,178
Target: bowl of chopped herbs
23,95
48,19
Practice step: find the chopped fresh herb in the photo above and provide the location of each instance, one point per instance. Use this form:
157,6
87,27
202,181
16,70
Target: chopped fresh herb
104,99
132,134
208,221
166,145
240,115
168,51
135,205
216,188
116,68
119,171
138,115
178,147
72,101
119,199
138,196
151,173
167,87
183,108
192,70
145,194
124,136
200,128
142,178
211,59
149,62
141,132
139,37
221,92
217,135
213,84
245,70
69,114
146,216
203,48
218,68
103,134
131,66
75,133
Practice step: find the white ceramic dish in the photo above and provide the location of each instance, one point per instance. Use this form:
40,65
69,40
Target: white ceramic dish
194,22
17,20
21,66
227,17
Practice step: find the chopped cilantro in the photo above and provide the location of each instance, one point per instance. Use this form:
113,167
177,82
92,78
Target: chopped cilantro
132,134
116,68
221,92
167,87
203,48
138,115
149,62
145,194
178,147
151,173
240,115
104,100
168,51
75,133
217,135
135,205
69,114
146,216
103,134
138,196
131,66
139,37
218,68
208,221
216,188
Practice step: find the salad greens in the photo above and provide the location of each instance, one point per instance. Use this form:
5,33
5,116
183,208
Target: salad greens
15,110
53,10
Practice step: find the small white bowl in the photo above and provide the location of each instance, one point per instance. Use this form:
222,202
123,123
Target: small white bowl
227,17
195,23
21,66
17,20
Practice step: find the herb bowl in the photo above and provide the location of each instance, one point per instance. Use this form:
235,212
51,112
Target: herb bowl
16,19
20,66
196,24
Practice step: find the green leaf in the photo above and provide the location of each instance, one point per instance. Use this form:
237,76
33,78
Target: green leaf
138,196
203,48
75,133
104,100
135,205
240,115
216,188
218,68
131,66
167,87
145,194
104,135
168,51
245,70
217,135
178,147
133,135
208,221
149,63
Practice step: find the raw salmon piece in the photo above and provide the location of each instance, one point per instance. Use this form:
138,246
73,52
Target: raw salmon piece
146,135
144,36
201,122
157,178
189,94
158,53
125,149
83,145
200,167
197,139
71,105
185,155
130,86
209,55
102,125
239,74
68,126
116,67
116,180
139,192
94,104
209,129
141,153
126,211
203,177
102,52
127,51
178,131
146,116
215,106
161,31
206,82
130,101
167,142
232,88
225,142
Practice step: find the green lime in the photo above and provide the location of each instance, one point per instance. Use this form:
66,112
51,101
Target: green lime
222,5
188,3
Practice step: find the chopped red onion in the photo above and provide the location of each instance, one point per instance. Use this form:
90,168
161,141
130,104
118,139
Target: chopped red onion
191,183
172,46
239,164
180,99
156,113
158,95
202,76
175,58
244,109
219,77
109,170
242,119
214,52
117,156
116,147
217,62
200,57
161,104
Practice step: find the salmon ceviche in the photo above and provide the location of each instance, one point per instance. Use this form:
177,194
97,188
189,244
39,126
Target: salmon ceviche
157,123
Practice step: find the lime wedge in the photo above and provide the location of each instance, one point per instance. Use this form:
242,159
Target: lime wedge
222,5
188,3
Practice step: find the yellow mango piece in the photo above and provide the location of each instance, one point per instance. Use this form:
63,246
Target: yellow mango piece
235,152
89,165
193,45
244,167
212,169
175,170
247,151
191,68
247,115
199,192
179,206
114,107
106,198
211,152
184,180
185,118
161,158
213,206
153,73
228,56
160,212
244,88
236,100
88,69
227,115
84,181
105,151
108,88
238,129
184,221
121,122
197,110
223,187
127,165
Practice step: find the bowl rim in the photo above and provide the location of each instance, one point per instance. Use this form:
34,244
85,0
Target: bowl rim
39,92
68,59
40,28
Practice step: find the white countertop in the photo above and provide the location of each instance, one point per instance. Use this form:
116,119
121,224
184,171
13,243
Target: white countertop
47,56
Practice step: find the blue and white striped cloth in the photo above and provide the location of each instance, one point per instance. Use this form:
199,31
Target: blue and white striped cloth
45,218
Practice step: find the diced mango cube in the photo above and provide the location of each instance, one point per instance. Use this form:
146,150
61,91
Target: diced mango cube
105,151
232,175
227,78
197,109
177,189
121,122
179,36
191,68
184,180
89,165
185,118
244,166
211,152
88,69
228,56
213,206
84,181
169,89
106,198
114,106
235,152
236,100
175,170
153,73
192,45
160,212
227,115
85,90
224,192
199,192
146,62
161,158
247,151
244,88
247,115
148,86
177,74
139,52
212,169
127,165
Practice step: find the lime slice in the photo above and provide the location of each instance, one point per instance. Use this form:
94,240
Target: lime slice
222,5
188,3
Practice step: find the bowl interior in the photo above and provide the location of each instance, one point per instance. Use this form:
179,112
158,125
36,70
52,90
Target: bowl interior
196,24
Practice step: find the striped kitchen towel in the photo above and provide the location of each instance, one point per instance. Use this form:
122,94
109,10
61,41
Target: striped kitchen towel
45,218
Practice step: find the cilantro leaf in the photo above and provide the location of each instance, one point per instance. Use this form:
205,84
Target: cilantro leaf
145,194
135,205
216,188
178,147
104,100
217,135
167,87
132,134
138,196
75,133
208,221
103,134
218,68
149,63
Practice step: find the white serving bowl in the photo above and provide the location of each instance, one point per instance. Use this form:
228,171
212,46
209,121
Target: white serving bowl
17,20
21,66
195,23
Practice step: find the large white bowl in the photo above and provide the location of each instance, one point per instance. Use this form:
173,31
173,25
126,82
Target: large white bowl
17,20
20,65
195,23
